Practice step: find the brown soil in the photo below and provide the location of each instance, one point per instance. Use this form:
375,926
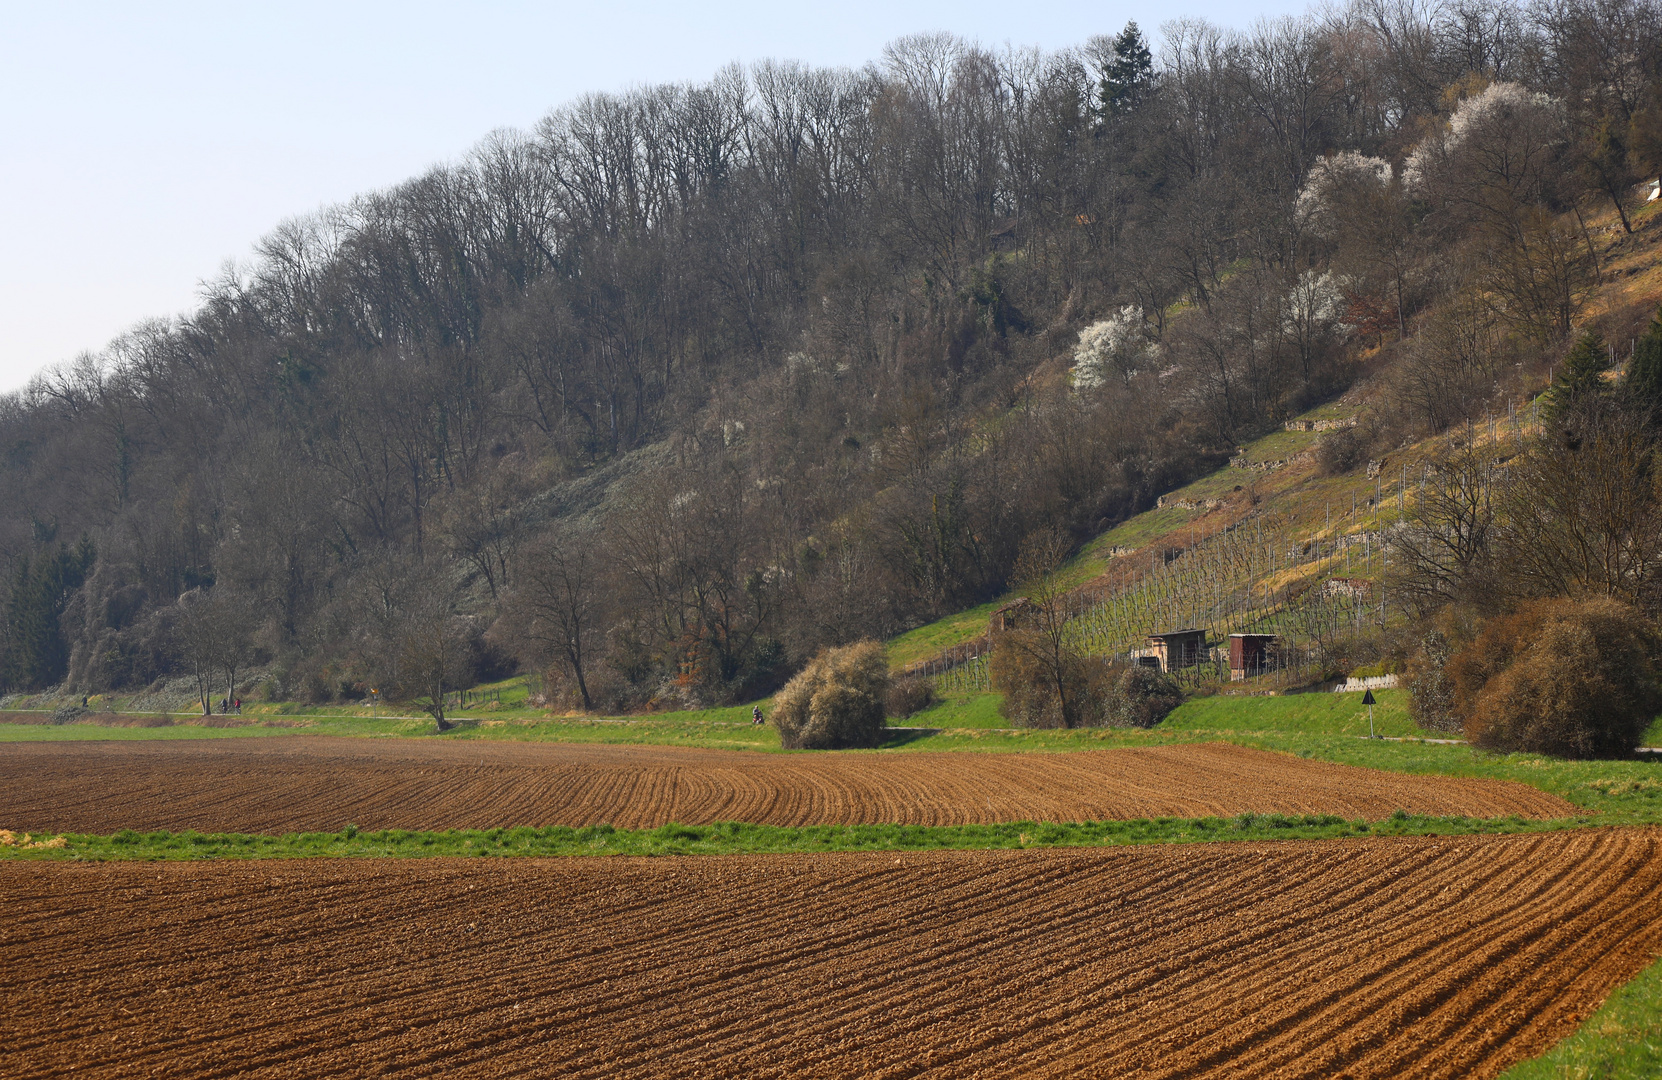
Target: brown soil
301,783
1390,958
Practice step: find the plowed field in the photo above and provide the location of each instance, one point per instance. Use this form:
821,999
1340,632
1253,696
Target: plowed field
1417,957
276,785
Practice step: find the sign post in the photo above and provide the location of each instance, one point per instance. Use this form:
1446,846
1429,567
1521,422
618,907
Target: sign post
1367,699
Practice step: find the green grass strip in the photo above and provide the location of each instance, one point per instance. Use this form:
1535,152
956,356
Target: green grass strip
1622,1041
737,838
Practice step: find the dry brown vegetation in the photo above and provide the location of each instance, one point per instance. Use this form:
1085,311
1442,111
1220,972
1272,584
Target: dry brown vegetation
837,701
1573,678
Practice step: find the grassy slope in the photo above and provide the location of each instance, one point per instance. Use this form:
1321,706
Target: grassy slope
1323,503
1330,714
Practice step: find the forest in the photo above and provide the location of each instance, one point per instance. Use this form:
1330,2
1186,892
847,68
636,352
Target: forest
668,394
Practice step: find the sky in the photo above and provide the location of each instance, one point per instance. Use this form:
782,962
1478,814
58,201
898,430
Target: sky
144,146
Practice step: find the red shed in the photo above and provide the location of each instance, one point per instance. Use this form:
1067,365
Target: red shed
1249,654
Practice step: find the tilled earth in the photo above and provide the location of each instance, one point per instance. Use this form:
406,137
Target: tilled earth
1436,957
298,783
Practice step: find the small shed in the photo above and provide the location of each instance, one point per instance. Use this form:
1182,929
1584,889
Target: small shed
1250,654
1177,648
1018,614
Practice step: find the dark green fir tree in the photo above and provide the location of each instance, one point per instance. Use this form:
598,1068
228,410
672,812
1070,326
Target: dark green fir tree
1128,76
1580,378
1644,373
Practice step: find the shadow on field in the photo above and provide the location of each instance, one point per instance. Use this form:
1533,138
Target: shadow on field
893,737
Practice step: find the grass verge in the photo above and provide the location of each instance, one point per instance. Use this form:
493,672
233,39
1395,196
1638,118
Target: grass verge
1617,792
1622,1041
1324,714
737,838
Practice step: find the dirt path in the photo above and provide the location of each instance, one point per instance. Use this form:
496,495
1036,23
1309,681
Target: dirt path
288,784
1368,958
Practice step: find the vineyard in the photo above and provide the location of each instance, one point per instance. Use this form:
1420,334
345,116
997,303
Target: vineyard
1306,568
1252,576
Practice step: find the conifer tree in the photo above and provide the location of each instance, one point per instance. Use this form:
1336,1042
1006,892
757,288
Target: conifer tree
36,656
1126,78
1581,376
1644,373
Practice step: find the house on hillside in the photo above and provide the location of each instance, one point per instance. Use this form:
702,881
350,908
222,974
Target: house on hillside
1172,650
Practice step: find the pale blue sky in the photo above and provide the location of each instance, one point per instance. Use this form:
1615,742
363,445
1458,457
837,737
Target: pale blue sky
143,145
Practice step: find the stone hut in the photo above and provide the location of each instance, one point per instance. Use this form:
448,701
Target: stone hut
1018,614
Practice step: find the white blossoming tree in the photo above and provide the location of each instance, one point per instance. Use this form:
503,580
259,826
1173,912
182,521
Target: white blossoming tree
1114,348
1355,204
1497,169
1503,137
1323,202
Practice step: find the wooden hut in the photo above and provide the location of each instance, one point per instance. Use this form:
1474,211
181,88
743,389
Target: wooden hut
1249,654
1176,648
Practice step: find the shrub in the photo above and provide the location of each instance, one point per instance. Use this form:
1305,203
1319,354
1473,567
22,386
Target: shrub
1570,678
1341,451
1490,652
1430,687
68,714
1142,697
1094,690
909,695
836,701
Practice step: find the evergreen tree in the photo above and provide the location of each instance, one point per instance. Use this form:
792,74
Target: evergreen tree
1580,377
36,655
1127,78
1644,374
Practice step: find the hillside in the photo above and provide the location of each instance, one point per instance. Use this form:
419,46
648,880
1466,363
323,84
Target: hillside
1246,548
659,398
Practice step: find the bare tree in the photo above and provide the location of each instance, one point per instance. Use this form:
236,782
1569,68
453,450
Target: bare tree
1446,546
195,644
557,603
1038,641
235,617
1582,514
431,656
212,638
